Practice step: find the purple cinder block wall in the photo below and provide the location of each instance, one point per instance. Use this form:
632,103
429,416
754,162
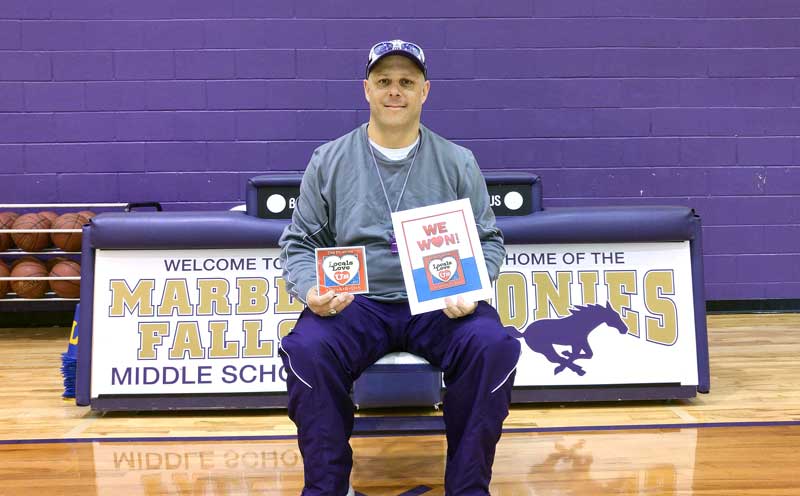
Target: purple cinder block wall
622,102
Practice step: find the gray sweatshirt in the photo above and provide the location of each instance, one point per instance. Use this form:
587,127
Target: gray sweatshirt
341,203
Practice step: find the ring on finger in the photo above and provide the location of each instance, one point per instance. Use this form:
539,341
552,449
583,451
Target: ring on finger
332,311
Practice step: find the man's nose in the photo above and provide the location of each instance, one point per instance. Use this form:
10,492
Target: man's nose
394,89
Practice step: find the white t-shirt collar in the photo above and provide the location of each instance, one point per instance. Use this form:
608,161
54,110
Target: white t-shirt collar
395,154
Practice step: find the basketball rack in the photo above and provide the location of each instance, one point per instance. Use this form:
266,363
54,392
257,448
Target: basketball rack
50,296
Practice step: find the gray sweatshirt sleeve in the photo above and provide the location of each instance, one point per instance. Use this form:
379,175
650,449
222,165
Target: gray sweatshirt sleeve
308,230
473,186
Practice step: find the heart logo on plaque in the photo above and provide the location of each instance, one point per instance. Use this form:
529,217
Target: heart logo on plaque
341,269
443,268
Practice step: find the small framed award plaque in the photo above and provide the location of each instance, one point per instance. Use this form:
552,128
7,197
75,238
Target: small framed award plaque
342,270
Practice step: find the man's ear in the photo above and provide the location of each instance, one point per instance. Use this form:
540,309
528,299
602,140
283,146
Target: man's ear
366,90
425,89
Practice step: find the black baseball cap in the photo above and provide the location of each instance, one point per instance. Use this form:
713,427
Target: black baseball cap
397,47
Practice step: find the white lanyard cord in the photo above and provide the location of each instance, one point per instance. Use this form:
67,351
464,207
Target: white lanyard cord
408,174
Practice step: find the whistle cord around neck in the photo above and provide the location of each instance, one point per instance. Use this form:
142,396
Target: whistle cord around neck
405,182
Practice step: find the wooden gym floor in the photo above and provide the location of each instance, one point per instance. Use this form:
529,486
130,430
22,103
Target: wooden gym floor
742,439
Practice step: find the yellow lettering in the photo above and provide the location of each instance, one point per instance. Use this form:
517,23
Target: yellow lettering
187,338
550,294
621,285
285,303
663,328
213,297
140,298
176,297
151,334
252,295
512,299
253,346
220,347
73,336
588,280
285,327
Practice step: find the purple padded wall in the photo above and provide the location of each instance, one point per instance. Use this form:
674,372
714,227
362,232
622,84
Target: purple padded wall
618,102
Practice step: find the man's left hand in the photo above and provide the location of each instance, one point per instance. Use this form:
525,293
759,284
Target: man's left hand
459,308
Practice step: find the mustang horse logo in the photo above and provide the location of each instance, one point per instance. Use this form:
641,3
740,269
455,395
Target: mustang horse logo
572,330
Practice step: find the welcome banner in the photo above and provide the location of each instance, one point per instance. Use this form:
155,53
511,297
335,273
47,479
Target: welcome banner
209,321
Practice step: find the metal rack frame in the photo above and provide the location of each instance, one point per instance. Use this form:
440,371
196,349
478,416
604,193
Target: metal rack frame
16,252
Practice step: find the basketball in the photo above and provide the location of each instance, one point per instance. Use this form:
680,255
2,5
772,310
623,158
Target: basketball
68,241
26,258
6,221
66,289
51,216
87,215
53,261
29,289
31,241
4,272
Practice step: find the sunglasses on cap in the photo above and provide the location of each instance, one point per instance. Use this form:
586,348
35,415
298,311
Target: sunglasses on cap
397,47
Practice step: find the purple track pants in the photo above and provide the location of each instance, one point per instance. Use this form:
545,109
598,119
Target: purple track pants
323,356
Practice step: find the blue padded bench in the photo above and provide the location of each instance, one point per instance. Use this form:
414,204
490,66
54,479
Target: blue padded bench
398,379
406,380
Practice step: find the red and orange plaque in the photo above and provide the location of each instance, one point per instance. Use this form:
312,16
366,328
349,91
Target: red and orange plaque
443,270
342,270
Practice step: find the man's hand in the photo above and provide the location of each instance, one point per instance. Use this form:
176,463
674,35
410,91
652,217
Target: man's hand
459,308
328,304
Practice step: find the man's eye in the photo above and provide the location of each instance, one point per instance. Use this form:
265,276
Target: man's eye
407,82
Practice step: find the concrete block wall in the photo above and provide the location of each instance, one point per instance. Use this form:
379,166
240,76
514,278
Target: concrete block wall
611,101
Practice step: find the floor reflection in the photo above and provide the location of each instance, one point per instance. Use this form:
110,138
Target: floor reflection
597,463
219,468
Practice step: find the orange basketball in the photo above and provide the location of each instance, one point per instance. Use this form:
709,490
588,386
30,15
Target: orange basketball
68,241
51,216
86,215
53,261
31,241
4,272
66,289
26,258
29,289
6,221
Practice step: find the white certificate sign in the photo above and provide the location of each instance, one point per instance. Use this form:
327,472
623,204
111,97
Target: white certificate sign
189,322
441,255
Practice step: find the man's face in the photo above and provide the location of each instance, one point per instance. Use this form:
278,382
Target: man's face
396,90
